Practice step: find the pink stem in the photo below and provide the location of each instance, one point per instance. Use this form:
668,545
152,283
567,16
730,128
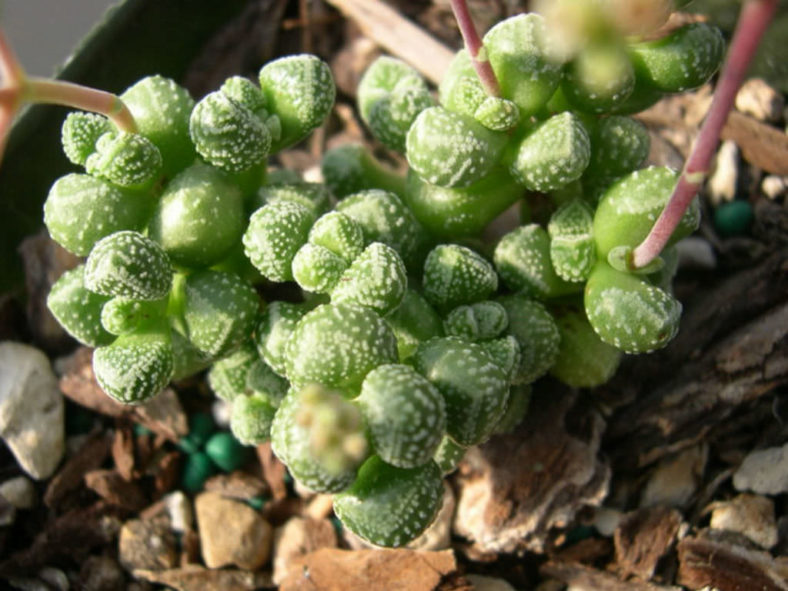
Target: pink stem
58,92
10,68
753,21
475,47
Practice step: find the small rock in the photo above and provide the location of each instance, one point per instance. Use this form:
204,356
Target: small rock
232,533
758,99
101,573
320,507
723,181
750,515
31,409
482,583
774,186
764,471
179,508
297,538
438,535
55,577
147,544
221,411
7,512
696,253
676,478
196,578
20,492
606,520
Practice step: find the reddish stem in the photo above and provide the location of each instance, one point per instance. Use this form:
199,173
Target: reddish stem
475,47
753,21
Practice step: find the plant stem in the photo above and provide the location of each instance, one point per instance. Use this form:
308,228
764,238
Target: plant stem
475,47
753,21
58,92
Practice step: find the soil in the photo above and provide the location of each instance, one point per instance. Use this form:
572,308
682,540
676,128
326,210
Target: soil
656,448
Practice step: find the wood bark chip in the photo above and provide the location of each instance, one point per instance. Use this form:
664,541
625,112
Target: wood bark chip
113,488
71,476
705,561
330,569
643,538
123,452
273,471
578,577
557,472
198,578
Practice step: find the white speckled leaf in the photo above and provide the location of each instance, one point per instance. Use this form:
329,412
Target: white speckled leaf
128,160
537,334
79,135
455,275
274,328
77,309
572,246
376,279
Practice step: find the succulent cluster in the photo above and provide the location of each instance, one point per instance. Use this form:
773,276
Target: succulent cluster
413,340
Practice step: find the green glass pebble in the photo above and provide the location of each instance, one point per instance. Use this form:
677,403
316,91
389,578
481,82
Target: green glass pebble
79,135
460,212
201,427
314,196
584,360
733,218
390,506
452,150
80,210
376,279
135,367
199,217
404,413
537,334
619,145
129,160
455,275
391,94
300,90
522,259
473,385
477,322
226,451
383,217
228,376
219,311
572,246
412,322
227,134
552,155
599,78
257,503
197,468
129,265
628,312
448,455
340,234
161,110
351,168
628,209
77,309
187,445
317,269
519,44
337,345
273,331
141,430
291,442
684,59
275,233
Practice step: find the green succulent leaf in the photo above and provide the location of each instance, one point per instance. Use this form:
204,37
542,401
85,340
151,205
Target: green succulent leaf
81,210
450,149
314,196
600,78
460,89
455,275
219,311
537,334
77,309
412,322
228,377
552,155
404,413
376,279
337,345
199,217
251,419
522,259
626,311
273,331
505,351
572,246
516,408
684,59
619,145
136,367
448,455
79,135
161,110
246,93
390,506
350,168
300,90
473,385
340,234
128,265
317,269
497,114
128,160
481,321
123,315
